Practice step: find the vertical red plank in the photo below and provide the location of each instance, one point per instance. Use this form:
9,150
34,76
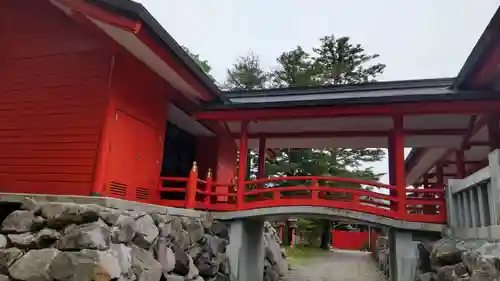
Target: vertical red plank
399,164
240,192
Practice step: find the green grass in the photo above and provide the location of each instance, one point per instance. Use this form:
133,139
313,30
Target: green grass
301,254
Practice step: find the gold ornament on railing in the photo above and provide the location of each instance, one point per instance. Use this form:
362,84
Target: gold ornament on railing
209,173
195,166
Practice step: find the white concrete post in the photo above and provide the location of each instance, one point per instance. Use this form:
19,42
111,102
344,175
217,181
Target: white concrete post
246,250
403,255
451,208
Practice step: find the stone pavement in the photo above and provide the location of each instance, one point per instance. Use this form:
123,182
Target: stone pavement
337,265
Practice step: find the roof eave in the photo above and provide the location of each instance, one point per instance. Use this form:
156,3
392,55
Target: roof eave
483,48
137,11
371,86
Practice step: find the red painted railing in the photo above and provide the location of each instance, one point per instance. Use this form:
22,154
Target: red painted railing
422,205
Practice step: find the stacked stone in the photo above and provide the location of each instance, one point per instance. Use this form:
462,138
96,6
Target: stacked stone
449,259
71,242
275,265
459,260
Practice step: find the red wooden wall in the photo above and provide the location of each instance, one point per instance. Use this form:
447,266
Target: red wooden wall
135,128
351,240
53,79
79,113
219,154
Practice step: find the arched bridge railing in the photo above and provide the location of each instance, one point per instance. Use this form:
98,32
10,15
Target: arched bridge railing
421,205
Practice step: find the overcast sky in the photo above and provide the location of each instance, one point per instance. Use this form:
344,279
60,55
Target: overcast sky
415,38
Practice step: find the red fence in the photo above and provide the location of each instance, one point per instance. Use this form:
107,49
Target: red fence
352,240
421,205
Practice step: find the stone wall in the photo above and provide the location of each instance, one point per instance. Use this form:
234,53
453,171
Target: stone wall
380,253
457,259
449,259
275,264
66,241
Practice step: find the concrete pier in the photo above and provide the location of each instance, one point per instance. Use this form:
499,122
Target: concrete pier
403,256
246,250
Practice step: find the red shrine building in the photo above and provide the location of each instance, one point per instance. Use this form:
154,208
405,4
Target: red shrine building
97,98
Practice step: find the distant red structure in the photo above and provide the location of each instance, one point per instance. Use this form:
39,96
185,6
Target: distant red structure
97,98
353,240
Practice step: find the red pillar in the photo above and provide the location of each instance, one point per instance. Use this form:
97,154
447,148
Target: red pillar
425,181
242,169
439,176
262,157
493,132
390,158
398,159
460,163
262,163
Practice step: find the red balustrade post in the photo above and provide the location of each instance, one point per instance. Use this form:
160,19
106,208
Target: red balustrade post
191,185
399,164
355,198
208,188
242,167
262,164
439,185
314,194
276,195
426,209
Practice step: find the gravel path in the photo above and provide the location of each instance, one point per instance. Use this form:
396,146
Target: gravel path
338,265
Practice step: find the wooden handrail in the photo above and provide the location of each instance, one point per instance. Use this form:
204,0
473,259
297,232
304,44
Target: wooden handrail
320,178
357,199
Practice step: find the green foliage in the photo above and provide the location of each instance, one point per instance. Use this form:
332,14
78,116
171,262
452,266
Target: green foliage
312,229
246,74
295,68
344,63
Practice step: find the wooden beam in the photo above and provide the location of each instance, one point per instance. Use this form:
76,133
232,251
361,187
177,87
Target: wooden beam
349,134
420,108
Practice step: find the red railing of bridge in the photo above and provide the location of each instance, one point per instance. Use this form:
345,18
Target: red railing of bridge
422,205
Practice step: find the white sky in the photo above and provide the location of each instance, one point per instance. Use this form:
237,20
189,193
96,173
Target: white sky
415,38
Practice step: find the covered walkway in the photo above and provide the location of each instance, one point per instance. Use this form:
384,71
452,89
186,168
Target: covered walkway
422,114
